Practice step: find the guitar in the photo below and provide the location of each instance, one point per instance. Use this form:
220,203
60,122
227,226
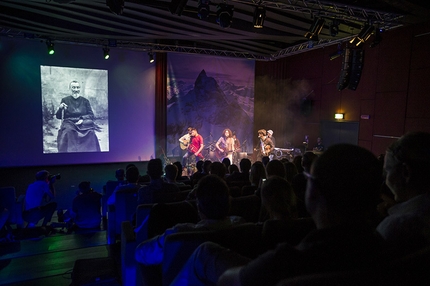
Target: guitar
184,144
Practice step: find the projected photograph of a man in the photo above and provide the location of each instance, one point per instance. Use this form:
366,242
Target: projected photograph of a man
72,125
77,131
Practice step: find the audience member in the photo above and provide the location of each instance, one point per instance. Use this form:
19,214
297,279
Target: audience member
218,169
171,173
205,165
278,199
180,176
86,208
297,161
38,198
258,173
213,203
341,197
265,160
120,175
243,175
154,192
5,236
407,166
132,176
290,171
275,168
299,182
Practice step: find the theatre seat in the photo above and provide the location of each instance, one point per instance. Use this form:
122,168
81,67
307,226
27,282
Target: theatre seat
151,220
245,239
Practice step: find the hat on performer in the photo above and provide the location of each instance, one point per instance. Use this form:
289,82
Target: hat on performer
262,131
270,132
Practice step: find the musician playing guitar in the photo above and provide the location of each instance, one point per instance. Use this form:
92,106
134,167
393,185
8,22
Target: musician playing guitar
266,145
185,140
195,147
225,146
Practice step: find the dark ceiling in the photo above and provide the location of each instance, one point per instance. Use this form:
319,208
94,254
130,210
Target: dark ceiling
149,25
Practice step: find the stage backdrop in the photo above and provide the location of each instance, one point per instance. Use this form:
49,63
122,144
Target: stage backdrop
121,92
210,94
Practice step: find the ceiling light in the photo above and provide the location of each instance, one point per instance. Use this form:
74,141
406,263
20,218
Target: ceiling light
106,53
224,15
259,16
203,9
50,47
315,29
151,57
363,36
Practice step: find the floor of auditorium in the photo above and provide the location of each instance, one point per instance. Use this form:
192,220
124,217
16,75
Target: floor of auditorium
37,259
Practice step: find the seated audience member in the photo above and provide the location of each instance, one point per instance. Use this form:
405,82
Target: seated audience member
213,203
297,161
407,166
243,175
120,175
299,182
171,173
86,208
219,169
290,171
181,171
199,173
278,199
341,196
5,236
275,168
38,198
265,160
132,176
227,163
152,192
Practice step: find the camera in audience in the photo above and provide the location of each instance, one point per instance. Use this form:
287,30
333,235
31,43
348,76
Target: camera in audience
56,176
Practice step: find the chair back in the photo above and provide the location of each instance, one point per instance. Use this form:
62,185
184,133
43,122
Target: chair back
125,207
244,239
247,207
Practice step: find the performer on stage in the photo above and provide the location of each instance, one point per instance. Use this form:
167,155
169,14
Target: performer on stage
185,140
266,145
225,146
195,147
270,136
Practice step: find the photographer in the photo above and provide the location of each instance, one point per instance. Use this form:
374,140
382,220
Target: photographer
38,198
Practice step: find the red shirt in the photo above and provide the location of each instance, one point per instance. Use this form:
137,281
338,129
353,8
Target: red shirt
195,144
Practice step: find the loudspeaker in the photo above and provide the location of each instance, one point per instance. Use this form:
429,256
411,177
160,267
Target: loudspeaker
356,68
345,72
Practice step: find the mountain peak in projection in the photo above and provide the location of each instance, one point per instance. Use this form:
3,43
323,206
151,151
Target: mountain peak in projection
211,108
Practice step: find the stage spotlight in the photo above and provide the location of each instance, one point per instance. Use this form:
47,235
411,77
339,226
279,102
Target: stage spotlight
338,53
203,9
259,16
224,15
315,29
106,53
334,28
50,46
151,57
115,6
363,36
377,39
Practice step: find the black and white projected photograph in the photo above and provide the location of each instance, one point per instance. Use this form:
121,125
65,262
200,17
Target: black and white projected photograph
75,109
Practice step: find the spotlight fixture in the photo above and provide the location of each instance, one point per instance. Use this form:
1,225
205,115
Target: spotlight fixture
224,15
203,9
338,53
259,16
363,36
106,53
334,28
315,29
377,38
151,57
50,46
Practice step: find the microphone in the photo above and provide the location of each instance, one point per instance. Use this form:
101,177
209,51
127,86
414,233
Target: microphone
244,142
